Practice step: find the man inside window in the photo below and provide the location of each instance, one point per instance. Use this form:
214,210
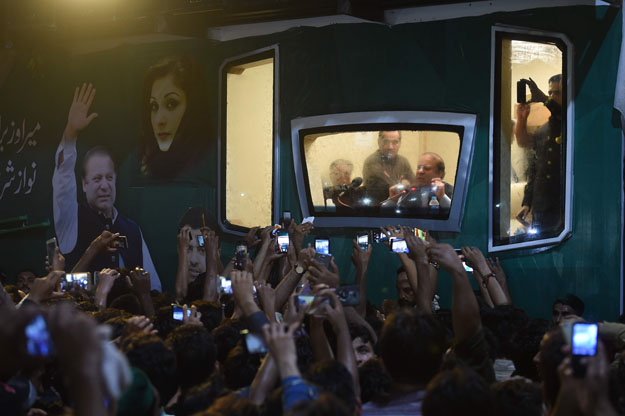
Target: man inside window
78,225
543,192
385,167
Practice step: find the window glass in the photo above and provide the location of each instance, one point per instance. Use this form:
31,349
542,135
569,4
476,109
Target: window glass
249,142
409,172
529,139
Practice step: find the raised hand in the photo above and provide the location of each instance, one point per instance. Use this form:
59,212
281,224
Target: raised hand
138,324
537,95
416,246
103,242
445,256
495,267
319,274
250,239
243,292
267,296
297,232
43,288
140,280
476,260
79,117
184,238
360,257
106,279
193,317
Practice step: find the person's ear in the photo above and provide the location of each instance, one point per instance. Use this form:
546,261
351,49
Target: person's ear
84,185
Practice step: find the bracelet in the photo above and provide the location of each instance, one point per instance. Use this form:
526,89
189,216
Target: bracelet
486,278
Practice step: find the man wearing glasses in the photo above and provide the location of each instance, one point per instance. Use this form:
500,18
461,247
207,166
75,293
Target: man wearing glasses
543,192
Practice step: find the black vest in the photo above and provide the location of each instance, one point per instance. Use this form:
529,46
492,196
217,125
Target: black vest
90,226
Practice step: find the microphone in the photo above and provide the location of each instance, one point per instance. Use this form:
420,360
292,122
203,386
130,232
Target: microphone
355,184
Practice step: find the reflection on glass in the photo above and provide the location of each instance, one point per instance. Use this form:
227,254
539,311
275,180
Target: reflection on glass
405,173
529,200
249,150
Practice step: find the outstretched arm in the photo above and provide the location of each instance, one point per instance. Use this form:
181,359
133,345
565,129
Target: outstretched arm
64,193
360,258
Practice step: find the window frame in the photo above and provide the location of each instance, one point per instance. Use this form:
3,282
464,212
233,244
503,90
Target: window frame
271,51
381,118
497,32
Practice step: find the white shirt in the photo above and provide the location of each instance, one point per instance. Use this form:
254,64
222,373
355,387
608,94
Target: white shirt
65,209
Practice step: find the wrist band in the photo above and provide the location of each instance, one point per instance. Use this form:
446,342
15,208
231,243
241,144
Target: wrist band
486,278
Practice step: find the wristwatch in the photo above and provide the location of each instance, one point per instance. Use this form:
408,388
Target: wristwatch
299,269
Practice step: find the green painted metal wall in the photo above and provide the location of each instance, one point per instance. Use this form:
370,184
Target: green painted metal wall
441,66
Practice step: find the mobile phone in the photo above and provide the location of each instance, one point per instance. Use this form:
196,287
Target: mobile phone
120,242
323,259
583,344
177,312
76,280
286,219
254,343
225,285
283,241
322,246
349,295
363,240
38,340
398,245
380,237
200,240
305,301
464,263
420,233
521,92
276,229
240,255
51,249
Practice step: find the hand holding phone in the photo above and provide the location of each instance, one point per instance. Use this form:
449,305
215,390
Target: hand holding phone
584,339
363,240
120,242
240,256
322,246
283,241
398,245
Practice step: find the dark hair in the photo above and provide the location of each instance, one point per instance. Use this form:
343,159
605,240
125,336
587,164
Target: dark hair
227,336
193,218
504,322
95,151
129,303
526,345
411,346
460,391
440,163
327,404
117,325
162,299
195,354
517,397
240,367
201,397
360,331
191,139
331,376
109,313
149,353
375,382
573,301
555,78
381,134
212,314
164,321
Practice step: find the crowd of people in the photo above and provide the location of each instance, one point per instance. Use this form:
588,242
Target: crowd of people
270,333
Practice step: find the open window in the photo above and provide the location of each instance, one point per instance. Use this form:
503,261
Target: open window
248,148
372,169
531,140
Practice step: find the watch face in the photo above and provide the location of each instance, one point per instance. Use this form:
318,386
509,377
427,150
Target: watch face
299,269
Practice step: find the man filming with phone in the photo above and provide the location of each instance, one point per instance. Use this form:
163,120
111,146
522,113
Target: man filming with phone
543,191
78,225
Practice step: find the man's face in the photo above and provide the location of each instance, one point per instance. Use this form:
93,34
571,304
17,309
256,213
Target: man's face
25,281
99,183
196,256
427,169
341,174
389,143
561,312
362,350
555,91
404,291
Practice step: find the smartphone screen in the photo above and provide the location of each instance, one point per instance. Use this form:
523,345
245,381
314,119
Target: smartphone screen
349,295
420,233
283,241
363,240
398,245
177,312
75,280
50,249
38,340
200,240
322,246
380,237
255,344
584,339
240,255
225,285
